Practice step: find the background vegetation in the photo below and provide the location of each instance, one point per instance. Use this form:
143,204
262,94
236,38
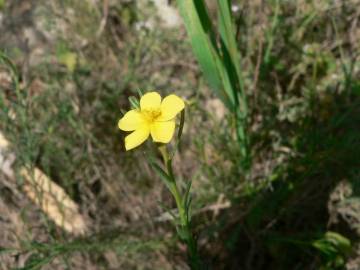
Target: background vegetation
67,70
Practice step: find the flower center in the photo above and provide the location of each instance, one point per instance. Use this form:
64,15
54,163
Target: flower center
151,114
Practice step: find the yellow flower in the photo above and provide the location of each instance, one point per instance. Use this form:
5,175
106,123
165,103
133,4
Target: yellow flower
154,117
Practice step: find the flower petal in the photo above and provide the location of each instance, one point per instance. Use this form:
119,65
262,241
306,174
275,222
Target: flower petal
131,120
170,107
137,137
162,131
150,100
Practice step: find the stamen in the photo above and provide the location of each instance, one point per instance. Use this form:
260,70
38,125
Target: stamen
151,114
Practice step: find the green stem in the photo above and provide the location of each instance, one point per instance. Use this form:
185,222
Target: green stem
243,139
184,231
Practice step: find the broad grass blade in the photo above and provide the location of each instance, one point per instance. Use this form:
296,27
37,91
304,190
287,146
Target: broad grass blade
202,37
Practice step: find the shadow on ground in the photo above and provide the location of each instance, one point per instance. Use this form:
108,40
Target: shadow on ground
279,229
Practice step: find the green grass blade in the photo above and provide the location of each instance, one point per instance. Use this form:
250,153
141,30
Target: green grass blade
231,58
230,51
219,61
201,33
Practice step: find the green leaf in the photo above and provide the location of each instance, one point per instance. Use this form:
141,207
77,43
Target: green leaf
332,244
183,233
167,179
134,102
140,93
231,52
342,243
202,37
175,219
219,60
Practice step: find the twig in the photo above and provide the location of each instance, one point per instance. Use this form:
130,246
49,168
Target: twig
104,18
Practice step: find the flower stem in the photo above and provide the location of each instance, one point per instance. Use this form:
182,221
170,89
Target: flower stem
184,229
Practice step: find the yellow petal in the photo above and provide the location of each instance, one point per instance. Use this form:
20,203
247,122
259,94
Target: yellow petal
131,120
170,107
150,100
162,131
137,137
